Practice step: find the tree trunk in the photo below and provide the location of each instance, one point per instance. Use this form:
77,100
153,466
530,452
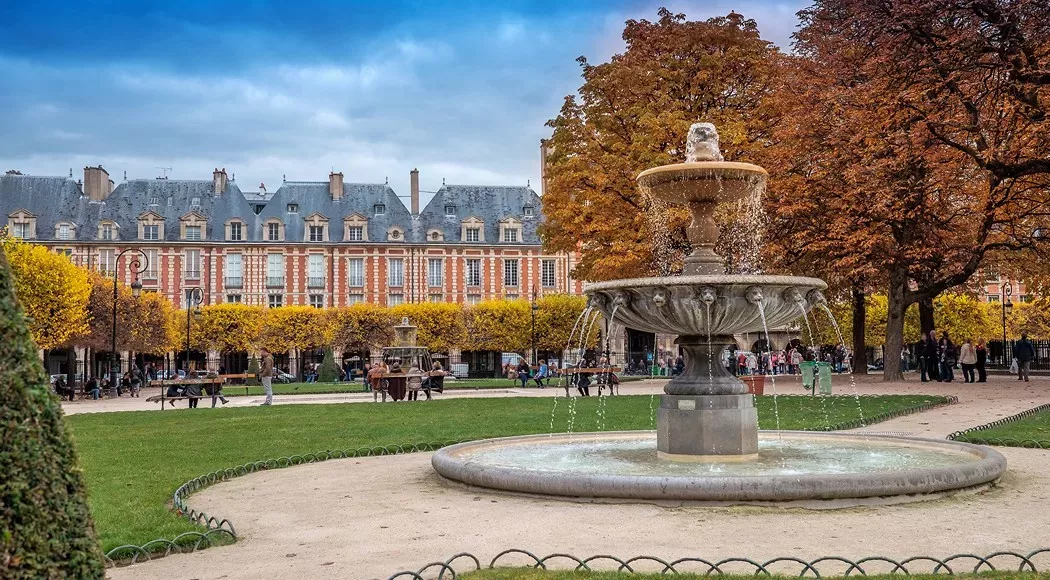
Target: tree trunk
71,366
860,356
891,356
926,322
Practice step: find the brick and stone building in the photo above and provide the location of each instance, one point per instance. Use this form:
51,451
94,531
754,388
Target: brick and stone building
324,243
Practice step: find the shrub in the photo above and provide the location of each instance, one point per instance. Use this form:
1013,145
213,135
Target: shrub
46,529
329,371
253,370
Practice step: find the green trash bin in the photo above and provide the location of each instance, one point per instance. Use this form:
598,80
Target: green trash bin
808,374
824,377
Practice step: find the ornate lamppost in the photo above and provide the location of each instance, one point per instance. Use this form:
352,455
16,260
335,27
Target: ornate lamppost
138,265
194,297
535,308
1007,291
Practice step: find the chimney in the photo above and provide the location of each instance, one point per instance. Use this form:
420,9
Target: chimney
335,185
414,179
97,184
543,166
218,180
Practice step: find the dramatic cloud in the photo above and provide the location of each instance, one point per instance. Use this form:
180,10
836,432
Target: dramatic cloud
459,91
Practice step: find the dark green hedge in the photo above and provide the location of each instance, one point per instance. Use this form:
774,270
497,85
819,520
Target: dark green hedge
45,526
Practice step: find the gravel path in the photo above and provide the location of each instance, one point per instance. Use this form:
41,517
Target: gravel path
369,517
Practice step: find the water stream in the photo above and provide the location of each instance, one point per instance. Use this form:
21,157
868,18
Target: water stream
853,382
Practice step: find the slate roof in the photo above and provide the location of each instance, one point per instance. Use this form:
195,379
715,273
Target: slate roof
56,199
489,203
312,197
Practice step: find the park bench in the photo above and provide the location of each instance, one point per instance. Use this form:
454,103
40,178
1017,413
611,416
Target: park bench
567,374
163,384
239,377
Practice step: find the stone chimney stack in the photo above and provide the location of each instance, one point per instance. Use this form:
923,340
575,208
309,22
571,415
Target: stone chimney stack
414,179
543,166
335,185
97,184
218,180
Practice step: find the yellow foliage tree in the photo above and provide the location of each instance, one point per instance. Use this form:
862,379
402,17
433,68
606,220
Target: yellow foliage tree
144,324
555,318
962,316
151,328
295,327
1030,317
53,291
230,327
501,325
360,327
441,325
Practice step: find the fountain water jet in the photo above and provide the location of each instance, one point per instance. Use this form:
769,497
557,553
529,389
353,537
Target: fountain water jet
707,446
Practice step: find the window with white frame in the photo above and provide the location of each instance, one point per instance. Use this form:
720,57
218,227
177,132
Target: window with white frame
355,272
473,299
152,261
473,234
63,232
355,298
547,278
317,233
21,230
234,267
450,210
379,209
437,298
395,299
236,231
273,232
293,208
510,273
435,275
107,261
274,270
473,272
193,233
233,298
317,300
510,235
395,273
355,233
275,300
315,271
151,232
192,264
107,231
528,211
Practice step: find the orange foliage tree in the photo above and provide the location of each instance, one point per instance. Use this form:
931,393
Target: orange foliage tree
912,144
633,113
361,327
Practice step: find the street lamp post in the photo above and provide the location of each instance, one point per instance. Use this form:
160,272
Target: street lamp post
535,308
194,297
1007,290
138,264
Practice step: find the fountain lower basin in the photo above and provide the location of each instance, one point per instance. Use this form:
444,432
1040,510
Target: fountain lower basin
790,466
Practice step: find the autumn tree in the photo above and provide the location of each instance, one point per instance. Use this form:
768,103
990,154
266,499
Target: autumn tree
295,328
556,316
441,325
360,327
230,328
633,113
501,325
144,324
53,291
913,144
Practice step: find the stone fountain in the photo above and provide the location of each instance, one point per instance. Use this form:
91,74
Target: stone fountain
707,444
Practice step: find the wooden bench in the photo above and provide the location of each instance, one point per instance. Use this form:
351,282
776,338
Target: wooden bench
163,384
567,374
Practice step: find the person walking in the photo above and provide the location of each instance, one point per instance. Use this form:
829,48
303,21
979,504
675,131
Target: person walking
933,357
1024,352
920,352
982,359
136,380
968,360
266,375
948,358
796,361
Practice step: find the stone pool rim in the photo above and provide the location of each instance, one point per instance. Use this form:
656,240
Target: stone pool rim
987,466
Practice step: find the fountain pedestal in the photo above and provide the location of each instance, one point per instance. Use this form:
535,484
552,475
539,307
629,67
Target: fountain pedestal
707,427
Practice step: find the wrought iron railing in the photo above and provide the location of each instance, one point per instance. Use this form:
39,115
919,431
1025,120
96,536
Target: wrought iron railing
275,281
315,282
234,282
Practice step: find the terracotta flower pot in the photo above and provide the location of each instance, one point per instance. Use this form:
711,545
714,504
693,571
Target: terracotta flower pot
756,384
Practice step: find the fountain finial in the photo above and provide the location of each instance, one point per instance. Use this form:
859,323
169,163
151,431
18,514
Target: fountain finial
702,143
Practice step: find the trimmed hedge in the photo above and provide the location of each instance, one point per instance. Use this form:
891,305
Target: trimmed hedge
328,371
46,529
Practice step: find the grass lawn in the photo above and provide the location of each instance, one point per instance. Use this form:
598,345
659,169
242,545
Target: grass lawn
1016,433
133,461
532,574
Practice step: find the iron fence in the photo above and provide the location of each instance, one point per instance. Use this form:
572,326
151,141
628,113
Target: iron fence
1035,561
973,434
996,352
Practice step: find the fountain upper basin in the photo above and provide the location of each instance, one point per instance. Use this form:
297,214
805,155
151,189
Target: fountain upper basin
680,304
711,181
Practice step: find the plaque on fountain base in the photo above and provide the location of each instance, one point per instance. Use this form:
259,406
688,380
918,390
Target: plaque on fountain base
707,428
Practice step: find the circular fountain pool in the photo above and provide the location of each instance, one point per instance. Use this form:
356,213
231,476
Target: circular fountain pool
791,466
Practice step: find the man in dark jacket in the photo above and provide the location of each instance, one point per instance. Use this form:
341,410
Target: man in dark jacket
1024,352
933,357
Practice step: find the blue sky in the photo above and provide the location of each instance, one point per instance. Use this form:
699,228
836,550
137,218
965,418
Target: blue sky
458,89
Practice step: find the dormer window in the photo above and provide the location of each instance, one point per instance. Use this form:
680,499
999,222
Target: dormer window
395,234
154,200
65,231
273,232
379,209
235,230
22,224
195,203
151,226
472,230
108,230
510,235
510,230
316,233
473,234
355,228
192,226
316,228
450,210
193,233
528,211
293,208
151,232
435,236
355,233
